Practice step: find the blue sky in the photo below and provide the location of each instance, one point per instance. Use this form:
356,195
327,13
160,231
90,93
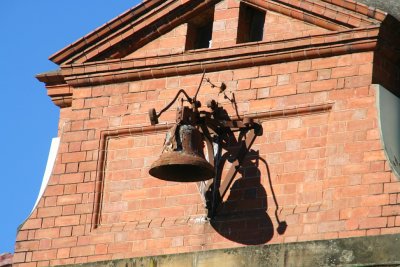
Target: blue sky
31,31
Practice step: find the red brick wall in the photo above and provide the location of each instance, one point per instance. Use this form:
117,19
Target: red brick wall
170,43
226,16
327,168
280,27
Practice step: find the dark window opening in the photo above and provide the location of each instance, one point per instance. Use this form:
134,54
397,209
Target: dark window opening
251,24
199,32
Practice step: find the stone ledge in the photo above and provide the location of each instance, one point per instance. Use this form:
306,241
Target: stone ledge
358,251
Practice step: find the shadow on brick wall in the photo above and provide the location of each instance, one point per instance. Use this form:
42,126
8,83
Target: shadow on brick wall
242,217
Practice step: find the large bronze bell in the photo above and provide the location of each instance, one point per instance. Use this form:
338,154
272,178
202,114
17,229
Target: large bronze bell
182,159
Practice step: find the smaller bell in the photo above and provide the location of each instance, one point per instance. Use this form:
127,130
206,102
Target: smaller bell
182,159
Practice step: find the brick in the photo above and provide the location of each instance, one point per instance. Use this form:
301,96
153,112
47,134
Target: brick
32,224
284,68
378,177
96,123
65,231
44,255
298,133
67,220
375,211
301,77
22,235
374,155
346,71
310,229
263,82
66,242
361,146
283,90
356,169
283,79
74,146
96,102
365,69
69,199
324,74
391,210
354,191
358,81
82,92
71,178
82,251
49,221
376,200
304,65
361,58
71,167
324,63
391,221
101,249
245,95
265,71
389,231
244,84
323,85
27,246
87,166
81,114
115,111
73,157
47,233
121,247
49,212
303,87
263,93
245,73
63,253
333,226
75,136
70,189
103,238
18,257
369,223
345,60
85,187
83,208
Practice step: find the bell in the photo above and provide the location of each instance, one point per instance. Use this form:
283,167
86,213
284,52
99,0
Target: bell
182,159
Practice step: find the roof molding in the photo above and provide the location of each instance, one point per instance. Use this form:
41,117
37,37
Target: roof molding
144,25
149,20
361,8
316,12
239,56
98,34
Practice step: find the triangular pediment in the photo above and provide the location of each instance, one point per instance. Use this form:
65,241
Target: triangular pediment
159,27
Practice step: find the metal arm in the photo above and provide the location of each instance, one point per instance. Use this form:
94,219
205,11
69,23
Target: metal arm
153,114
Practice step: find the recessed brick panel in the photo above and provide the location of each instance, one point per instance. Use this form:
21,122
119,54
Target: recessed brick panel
131,195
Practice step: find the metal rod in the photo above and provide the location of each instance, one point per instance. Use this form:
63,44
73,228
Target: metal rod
198,88
173,101
236,164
